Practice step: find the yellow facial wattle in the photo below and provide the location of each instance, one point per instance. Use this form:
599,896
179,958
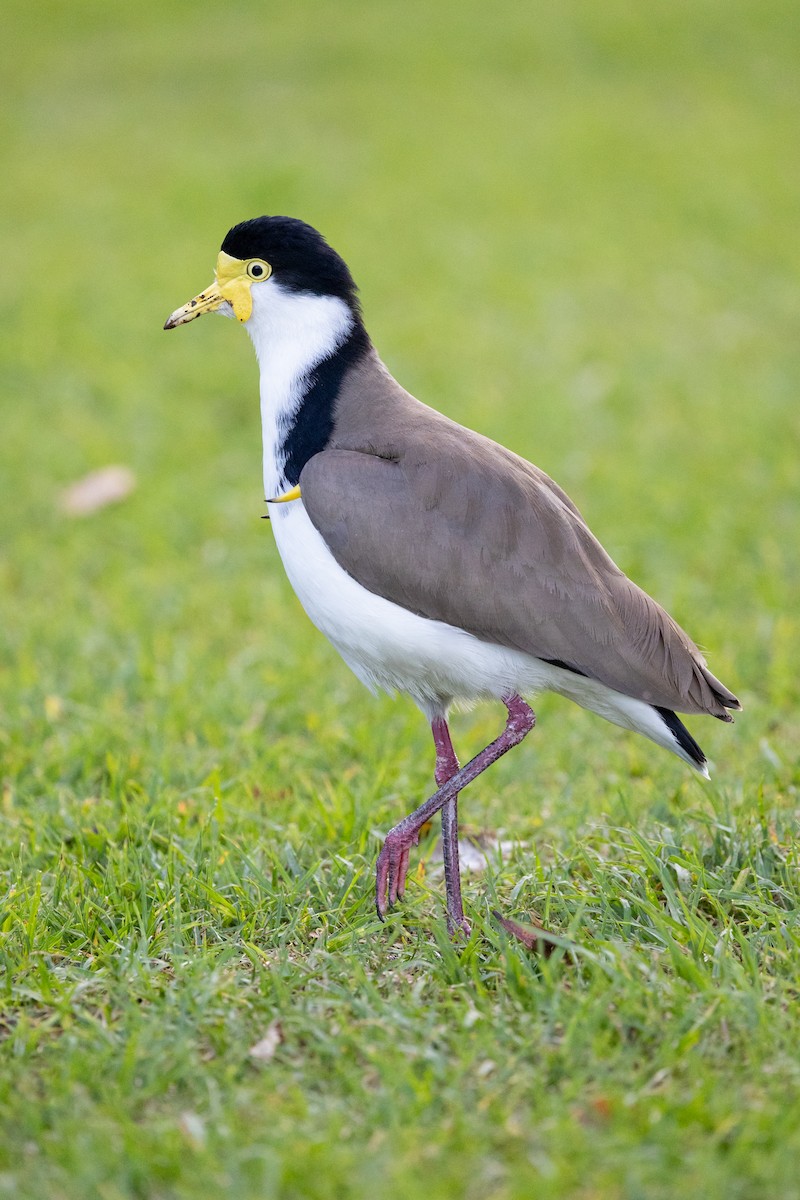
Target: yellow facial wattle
234,278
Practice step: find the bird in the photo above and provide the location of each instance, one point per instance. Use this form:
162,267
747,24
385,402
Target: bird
437,562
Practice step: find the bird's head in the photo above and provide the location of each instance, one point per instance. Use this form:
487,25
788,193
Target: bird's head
263,254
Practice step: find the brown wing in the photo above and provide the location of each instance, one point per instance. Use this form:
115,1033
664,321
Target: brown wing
458,529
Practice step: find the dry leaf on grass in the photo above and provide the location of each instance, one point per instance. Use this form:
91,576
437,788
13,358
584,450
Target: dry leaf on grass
264,1049
96,490
474,851
193,1128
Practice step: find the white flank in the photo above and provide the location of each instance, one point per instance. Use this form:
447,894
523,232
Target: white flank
388,647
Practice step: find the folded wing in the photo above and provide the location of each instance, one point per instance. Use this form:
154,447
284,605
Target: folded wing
455,528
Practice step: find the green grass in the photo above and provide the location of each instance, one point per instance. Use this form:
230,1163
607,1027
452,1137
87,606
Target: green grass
574,226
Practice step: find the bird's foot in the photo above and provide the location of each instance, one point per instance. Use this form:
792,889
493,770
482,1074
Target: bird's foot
390,881
458,926
392,868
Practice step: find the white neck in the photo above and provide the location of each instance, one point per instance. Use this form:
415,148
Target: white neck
291,333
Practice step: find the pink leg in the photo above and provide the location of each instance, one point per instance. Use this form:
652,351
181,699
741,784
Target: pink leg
393,858
447,766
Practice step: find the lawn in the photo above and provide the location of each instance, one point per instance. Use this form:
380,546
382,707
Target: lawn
575,229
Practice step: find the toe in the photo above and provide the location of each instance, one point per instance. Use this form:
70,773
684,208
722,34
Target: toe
402,872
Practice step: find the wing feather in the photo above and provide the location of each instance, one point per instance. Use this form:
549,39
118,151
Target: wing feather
456,528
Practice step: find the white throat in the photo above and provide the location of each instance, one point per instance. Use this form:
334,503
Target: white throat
291,333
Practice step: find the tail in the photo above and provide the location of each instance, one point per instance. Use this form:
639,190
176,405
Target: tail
685,745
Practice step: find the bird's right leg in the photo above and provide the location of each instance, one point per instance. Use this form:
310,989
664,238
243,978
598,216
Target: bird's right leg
393,858
447,765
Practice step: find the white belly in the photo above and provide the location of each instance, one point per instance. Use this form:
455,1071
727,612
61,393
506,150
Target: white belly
386,645
433,662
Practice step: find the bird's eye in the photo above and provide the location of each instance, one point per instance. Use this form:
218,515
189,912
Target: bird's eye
258,270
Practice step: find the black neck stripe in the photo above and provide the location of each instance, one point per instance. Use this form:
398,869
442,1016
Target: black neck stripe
313,424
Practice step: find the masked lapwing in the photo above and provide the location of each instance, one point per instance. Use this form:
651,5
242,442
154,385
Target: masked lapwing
437,562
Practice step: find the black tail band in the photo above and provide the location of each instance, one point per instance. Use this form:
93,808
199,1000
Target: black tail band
681,735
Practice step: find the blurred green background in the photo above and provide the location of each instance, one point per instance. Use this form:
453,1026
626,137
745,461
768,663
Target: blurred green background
574,227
